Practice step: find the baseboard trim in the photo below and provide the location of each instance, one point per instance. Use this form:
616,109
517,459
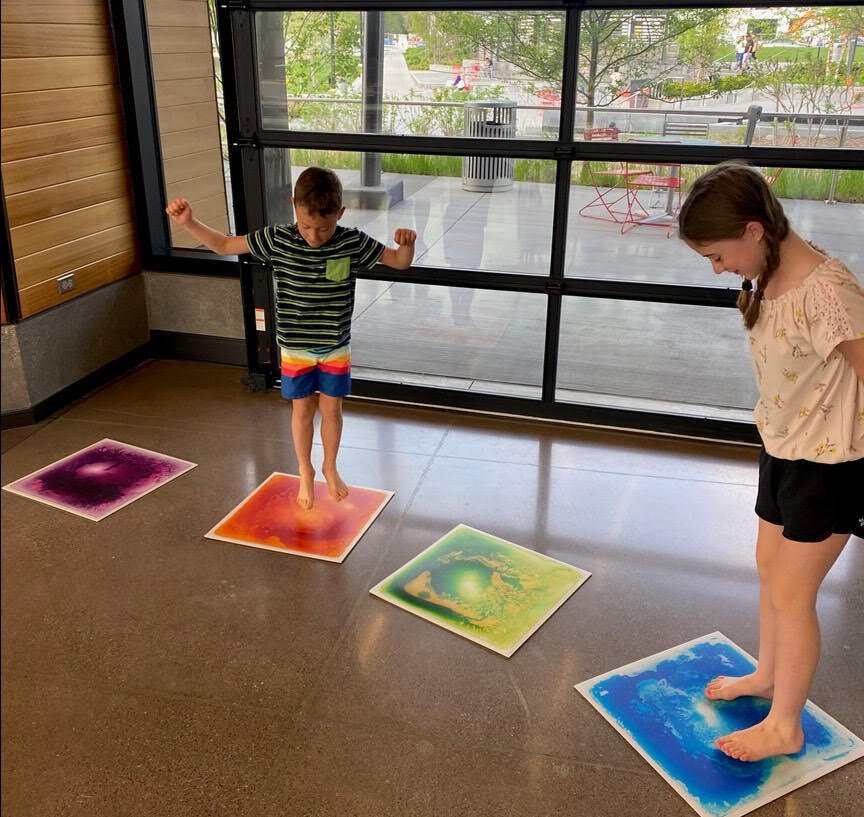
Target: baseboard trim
206,348
18,419
168,345
59,400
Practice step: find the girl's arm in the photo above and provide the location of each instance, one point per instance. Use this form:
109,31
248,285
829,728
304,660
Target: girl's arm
853,351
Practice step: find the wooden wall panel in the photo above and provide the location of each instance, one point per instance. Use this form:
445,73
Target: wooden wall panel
46,202
58,104
186,117
192,165
91,276
174,13
167,66
201,187
55,40
173,92
185,88
56,168
52,11
41,235
48,264
180,143
39,74
179,40
44,140
64,159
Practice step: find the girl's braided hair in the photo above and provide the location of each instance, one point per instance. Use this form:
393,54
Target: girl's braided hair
719,206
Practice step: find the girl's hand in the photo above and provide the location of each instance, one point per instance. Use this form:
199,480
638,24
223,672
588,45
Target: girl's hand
180,210
405,237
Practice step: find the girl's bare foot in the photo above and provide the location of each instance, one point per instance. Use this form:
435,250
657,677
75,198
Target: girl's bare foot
306,491
723,688
761,741
338,489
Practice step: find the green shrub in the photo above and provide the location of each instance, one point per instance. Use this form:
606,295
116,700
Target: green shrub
418,58
421,165
815,185
793,183
709,87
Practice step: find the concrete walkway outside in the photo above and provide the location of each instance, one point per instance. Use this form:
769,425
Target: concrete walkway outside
683,359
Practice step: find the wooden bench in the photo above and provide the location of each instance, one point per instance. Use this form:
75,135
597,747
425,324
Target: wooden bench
672,127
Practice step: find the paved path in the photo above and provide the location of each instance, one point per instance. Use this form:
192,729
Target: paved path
665,357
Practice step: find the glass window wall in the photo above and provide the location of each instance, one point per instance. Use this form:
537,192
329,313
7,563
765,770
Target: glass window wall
479,213
664,358
497,296
622,219
781,76
412,72
187,83
449,337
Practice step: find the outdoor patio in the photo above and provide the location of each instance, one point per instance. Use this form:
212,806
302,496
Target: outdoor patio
683,359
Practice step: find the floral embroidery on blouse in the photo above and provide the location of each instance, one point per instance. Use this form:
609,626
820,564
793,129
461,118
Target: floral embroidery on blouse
811,401
826,448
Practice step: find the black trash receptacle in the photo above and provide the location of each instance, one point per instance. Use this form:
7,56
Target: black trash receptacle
489,119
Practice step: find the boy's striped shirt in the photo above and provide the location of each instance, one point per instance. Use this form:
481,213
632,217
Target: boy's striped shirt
312,311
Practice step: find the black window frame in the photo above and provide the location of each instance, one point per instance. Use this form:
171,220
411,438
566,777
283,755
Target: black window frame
247,140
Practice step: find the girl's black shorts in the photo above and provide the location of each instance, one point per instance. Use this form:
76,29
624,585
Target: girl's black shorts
811,500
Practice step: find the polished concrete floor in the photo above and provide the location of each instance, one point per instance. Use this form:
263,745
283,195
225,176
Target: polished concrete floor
150,671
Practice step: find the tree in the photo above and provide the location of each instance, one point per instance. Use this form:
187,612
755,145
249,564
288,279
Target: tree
616,47
799,86
842,23
698,45
397,22
620,50
321,49
533,42
444,46
811,84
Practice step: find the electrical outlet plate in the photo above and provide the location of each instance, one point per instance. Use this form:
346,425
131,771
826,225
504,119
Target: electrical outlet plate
66,283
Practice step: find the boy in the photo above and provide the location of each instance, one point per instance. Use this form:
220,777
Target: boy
315,263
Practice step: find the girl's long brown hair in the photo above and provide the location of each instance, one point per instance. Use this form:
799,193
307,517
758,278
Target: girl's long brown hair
719,206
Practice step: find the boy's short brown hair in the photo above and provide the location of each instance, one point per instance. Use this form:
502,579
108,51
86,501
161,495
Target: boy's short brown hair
318,191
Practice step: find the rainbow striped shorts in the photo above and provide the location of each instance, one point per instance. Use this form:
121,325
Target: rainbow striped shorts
307,371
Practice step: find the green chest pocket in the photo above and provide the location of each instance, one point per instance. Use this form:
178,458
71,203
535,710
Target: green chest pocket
338,269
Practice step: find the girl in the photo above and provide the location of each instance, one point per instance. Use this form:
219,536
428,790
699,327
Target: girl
805,319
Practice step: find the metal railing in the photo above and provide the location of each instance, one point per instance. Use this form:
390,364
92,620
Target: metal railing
649,120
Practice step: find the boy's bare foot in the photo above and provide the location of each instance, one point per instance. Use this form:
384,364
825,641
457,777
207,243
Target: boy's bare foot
306,491
761,741
723,688
338,488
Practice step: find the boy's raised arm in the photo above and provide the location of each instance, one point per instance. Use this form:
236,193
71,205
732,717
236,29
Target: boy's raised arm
403,255
181,211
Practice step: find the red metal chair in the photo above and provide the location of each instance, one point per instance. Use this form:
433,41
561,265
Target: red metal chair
664,179
609,181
